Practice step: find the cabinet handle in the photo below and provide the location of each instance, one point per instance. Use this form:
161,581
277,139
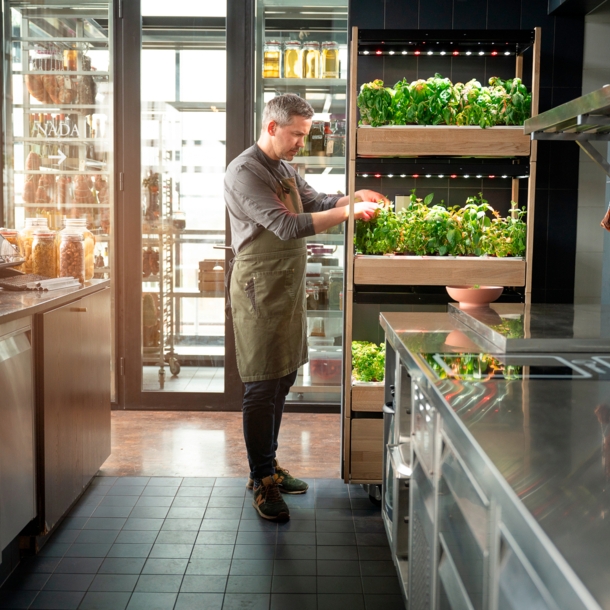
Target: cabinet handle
78,309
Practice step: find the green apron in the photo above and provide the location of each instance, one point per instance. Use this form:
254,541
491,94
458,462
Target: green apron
267,290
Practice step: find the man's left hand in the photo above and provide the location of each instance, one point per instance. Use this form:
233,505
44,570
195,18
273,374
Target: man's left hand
368,195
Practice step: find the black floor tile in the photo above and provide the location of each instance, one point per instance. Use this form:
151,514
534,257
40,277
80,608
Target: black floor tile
186,512
239,482
25,581
132,481
54,549
122,565
218,525
165,481
334,527
74,523
155,490
374,553
216,538
162,501
57,600
295,538
190,501
152,601
149,512
214,567
45,565
380,585
181,525
119,501
251,567
136,537
294,567
226,502
369,526
171,551
338,553
199,601
159,583
371,539
198,482
130,550
243,601
290,601
114,582
301,551
111,511
96,536
299,525
79,565
88,550
173,537
294,584
17,600
212,551
333,503
335,601
361,504
105,523
165,566
254,551
66,536
125,490
249,584
333,514
143,524
225,512
256,537
194,492
327,567
377,568
261,525
296,514
339,584
202,583
69,582
105,600
236,492
335,539
384,602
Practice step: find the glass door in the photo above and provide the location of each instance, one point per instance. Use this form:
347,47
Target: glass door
58,127
302,48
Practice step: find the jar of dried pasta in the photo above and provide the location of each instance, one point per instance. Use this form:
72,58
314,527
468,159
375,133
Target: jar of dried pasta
44,255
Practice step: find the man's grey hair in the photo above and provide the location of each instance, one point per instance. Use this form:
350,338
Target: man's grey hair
282,108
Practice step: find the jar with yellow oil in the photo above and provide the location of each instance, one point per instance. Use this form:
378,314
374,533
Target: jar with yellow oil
329,62
293,61
26,236
311,60
271,59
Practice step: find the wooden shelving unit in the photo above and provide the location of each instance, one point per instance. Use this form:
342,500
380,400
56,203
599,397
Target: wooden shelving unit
363,433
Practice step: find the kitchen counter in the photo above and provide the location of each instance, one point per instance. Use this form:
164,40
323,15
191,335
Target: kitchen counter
14,305
534,430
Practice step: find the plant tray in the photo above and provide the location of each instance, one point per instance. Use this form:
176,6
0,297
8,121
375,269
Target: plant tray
368,396
435,140
399,270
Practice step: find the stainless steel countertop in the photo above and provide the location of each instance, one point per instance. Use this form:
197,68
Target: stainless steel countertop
549,439
15,305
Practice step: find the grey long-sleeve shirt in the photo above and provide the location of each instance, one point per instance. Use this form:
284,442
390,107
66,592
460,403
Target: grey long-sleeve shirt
251,183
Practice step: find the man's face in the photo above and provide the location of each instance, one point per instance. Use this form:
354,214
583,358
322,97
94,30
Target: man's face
289,139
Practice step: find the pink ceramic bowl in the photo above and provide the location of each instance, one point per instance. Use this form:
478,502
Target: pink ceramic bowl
467,296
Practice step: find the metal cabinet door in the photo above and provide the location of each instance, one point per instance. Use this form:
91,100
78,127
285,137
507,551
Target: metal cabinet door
17,455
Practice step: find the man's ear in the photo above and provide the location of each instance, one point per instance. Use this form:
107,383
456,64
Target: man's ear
271,127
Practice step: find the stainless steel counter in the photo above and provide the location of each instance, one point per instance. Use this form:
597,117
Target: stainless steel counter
14,305
535,434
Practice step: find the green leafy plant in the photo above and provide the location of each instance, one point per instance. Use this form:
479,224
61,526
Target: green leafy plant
424,229
368,361
437,101
375,104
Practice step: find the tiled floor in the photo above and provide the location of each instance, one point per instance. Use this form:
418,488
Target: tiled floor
172,543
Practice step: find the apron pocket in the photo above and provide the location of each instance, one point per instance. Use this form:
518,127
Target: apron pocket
274,293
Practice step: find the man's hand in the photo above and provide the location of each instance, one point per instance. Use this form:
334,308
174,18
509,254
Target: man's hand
368,195
365,210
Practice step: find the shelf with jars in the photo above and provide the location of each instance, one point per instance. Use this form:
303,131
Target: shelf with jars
59,97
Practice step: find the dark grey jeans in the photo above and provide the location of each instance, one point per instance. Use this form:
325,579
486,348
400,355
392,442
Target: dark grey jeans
263,406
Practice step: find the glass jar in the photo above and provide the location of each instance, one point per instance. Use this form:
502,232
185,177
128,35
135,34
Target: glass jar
335,287
26,236
70,60
72,256
271,59
317,294
311,60
293,62
79,225
330,60
44,255
316,139
12,237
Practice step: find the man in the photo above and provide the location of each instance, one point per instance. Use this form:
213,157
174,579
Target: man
272,210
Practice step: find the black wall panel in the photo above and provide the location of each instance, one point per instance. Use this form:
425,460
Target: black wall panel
561,81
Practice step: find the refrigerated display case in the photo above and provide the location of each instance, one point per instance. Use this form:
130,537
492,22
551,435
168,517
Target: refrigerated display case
301,48
58,118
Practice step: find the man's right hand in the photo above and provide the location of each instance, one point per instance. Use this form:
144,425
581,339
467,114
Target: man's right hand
365,210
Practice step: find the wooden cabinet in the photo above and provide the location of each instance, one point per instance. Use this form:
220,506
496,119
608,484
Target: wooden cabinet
367,450
73,359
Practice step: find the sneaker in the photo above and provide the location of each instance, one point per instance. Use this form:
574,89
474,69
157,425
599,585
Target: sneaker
268,500
287,483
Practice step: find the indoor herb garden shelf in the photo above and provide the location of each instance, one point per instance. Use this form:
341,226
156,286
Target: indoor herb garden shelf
367,396
398,270
431,140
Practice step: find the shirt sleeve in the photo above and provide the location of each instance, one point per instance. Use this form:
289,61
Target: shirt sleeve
256,200
312,200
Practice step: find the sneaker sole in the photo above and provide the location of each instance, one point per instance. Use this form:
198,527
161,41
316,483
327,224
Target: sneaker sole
280,517
293,493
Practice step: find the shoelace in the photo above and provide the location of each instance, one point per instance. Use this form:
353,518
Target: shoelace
273,494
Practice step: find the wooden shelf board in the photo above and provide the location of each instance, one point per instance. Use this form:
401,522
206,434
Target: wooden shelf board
448,140
438,271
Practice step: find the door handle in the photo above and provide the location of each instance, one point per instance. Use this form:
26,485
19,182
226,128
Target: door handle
78,309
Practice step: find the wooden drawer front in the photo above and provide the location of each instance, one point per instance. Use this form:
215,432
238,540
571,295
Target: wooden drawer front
463,141
367,398
367,449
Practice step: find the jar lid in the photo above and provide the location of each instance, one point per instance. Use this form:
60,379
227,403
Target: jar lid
329,43
8,231
44,233
292,43
312,43
273,42
72,236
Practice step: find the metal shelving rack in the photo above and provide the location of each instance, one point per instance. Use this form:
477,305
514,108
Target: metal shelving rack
417,150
